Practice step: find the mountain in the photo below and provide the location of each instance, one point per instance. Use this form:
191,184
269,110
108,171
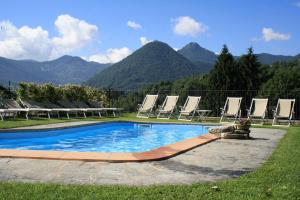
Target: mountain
152,63
266,58
194,52
297,57
66,69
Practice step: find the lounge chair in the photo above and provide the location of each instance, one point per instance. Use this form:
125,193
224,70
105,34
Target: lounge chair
2,114
35,107
188,110
72,108
56,108
284,110
145,109
91,109
166,109
258,109
98,106
232,108
11,106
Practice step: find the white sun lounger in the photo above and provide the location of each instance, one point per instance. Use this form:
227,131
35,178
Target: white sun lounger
166,109
284,110
96,106
145,110
232,108
2,114
34,107
258,109
72,108
189,108
12,107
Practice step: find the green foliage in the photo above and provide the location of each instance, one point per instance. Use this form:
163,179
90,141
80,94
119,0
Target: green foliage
249,71
6,93
49,92
284,82
224,75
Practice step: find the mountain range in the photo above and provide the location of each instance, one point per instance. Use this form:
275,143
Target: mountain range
194,52
66,69
157,61
152,63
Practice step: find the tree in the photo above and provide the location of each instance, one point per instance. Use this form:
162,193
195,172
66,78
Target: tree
249,72
222,79
223,76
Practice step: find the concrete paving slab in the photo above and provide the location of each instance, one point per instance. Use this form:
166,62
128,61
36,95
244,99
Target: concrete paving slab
220,159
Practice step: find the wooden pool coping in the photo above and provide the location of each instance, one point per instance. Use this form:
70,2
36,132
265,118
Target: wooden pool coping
161,153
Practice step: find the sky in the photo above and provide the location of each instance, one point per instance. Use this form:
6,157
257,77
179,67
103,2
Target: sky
106,31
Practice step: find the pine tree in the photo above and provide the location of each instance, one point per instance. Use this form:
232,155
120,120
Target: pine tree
222,79
249,71
223,76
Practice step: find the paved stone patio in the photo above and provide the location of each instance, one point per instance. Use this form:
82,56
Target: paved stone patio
221,159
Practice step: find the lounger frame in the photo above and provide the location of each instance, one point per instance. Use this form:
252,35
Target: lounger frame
191,114
162,114
289,118
262,117
234,116
147,113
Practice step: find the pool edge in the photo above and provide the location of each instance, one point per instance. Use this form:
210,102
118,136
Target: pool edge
161,153
38,128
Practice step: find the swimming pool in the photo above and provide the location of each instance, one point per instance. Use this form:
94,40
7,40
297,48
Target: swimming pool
104,137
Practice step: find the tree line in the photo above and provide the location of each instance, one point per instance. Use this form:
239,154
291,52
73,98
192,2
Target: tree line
242,77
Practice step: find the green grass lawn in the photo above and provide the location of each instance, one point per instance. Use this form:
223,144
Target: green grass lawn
278,178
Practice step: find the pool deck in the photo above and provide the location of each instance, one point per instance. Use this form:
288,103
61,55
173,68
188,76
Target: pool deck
221,159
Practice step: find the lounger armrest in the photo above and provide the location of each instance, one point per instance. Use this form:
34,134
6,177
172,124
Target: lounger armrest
222,111
139,106
274,112
248,112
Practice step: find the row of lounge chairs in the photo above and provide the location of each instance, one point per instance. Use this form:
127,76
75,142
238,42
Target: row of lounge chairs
165,111
258,110
231,109
28,107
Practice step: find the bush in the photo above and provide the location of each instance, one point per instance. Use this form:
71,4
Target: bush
50,92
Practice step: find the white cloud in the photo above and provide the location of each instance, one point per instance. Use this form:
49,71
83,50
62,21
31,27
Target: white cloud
111,56
74,34
297,4
144,40
34,43
133,24
269,35
187,26
24,43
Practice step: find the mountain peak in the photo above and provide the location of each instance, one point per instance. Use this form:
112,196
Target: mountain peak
156,43
194,52
152,63
192,45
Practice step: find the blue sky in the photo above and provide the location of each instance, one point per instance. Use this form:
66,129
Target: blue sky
266,25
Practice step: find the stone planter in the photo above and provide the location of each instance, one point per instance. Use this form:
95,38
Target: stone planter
238,131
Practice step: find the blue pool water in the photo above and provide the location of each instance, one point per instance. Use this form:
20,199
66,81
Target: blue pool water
106,137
